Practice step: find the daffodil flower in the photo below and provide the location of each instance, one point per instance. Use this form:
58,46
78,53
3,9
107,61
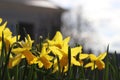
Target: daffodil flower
4,30
96,62
63,58
59,47
23,52
8,38
44,58
58,43
82,56
7,34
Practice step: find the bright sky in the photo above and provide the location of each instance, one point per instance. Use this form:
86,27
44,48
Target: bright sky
105,16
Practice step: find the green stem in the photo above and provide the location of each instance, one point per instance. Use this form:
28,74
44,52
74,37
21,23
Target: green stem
16,73
25,70
59,69
94,72
106,73
6,63
30,74
6,56
69,63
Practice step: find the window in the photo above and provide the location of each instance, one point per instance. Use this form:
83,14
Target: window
24,28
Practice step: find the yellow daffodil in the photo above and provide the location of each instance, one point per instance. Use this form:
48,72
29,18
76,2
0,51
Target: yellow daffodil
58,43
63,59
82,56
59,47
74,52
6,31
96,62
27,45
28,42
44,58
23,52
63,53
8,38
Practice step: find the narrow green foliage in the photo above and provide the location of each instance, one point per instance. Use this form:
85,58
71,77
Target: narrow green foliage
106,71
59,69
5,60
69,63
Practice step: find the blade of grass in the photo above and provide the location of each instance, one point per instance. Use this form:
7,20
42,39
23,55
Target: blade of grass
59,68
106,71
117,66
2,57
69,63
5,66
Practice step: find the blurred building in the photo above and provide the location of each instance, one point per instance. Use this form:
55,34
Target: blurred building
38,17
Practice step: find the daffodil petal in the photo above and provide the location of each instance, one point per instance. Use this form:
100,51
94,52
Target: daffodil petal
102,56
89,65
83,56
18,50
48,57
40,64
66,40
58,36
29,56
14,61
46,63
0,20
92,57
2,27
56,51
100,64
7,32
76,50
55,69
75,62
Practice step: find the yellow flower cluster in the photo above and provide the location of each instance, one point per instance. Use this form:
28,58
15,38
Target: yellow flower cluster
52,52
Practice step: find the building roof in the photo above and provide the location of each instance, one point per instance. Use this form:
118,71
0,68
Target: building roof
30,5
